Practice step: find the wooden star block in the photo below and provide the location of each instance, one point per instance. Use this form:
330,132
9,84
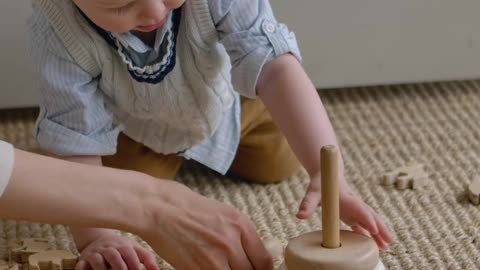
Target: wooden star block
474,191
4,265
411,176
27,247
52,260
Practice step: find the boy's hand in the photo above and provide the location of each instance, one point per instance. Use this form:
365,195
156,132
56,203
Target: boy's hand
115,252
353,211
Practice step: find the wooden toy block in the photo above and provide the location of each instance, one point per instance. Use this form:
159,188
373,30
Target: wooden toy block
53,260
419,181
411,176
474,191
27,247
8,265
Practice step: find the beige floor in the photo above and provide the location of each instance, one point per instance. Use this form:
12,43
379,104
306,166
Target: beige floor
379,128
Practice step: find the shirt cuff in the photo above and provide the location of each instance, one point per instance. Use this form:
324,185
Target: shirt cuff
280,40
63,141
7,162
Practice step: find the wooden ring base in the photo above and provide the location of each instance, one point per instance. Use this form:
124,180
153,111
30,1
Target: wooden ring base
306,252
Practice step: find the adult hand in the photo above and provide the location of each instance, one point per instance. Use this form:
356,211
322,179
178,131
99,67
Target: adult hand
194,232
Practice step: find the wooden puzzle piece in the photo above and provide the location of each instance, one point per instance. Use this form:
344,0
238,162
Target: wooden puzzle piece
411,176
52,260
474,191
27,247
390,178
8,265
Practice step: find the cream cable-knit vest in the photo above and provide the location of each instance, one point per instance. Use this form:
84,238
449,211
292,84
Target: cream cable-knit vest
189,103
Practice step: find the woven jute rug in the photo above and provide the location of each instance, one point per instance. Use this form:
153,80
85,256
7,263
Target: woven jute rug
379,129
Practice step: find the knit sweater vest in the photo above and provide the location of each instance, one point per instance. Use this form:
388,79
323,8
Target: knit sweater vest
190,101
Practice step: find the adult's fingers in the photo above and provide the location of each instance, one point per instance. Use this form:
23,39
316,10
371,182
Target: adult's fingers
96,261
115,260
383,230
254,249
238,259
146,258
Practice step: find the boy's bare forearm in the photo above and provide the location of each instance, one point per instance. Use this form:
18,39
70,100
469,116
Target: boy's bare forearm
48,190
296,108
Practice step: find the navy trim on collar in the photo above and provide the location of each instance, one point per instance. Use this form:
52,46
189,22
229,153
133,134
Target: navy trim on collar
155,77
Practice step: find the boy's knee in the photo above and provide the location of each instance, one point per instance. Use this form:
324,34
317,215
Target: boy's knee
137,157
273,174
266,169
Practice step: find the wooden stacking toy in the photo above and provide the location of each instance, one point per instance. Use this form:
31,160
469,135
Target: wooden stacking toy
332,248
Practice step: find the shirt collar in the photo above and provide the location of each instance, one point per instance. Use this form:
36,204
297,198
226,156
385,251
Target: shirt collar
130,41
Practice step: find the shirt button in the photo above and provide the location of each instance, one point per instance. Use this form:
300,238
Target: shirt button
269,27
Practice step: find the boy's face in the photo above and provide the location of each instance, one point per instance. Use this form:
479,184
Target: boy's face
120,16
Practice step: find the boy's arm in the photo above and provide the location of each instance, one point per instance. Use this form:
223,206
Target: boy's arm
73,118
296,108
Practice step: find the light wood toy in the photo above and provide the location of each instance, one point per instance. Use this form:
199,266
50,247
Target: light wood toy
52,260
274,246
4,265
474,191
330,249
27,247
411,176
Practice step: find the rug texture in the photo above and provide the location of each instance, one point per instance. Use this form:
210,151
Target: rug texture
379,129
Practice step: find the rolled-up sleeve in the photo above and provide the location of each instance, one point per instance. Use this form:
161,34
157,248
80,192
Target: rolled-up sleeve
252,37
73,118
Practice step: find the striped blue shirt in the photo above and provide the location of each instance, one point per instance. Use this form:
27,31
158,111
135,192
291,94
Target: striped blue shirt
74,119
